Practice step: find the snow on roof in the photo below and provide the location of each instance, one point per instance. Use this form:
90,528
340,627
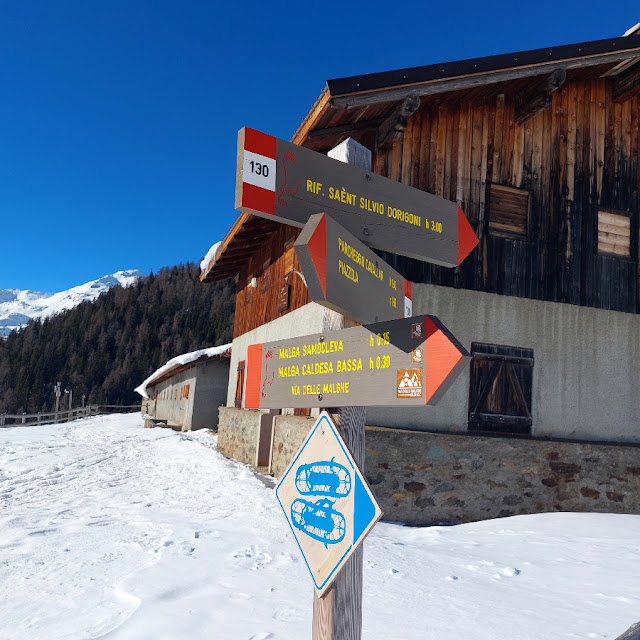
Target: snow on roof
209,257
630,32
185,358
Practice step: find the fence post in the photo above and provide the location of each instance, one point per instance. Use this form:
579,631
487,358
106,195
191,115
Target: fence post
2,419
24,419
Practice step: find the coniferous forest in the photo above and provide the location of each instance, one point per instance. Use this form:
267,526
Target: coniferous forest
104,349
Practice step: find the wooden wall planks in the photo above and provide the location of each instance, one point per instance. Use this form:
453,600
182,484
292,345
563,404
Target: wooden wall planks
262,306
575,158
579,155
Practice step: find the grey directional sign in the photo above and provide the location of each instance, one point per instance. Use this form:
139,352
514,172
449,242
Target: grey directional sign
279,180
406,362
343,274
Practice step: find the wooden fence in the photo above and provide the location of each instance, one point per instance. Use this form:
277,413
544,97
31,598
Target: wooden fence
30,419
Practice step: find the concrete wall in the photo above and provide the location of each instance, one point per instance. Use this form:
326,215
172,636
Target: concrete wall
426,478
211,392
586,382
311,318
208,382
175,410
585,377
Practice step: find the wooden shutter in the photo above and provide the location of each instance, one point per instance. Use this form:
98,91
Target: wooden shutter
240,384
501,388
284,296
614,233
508,211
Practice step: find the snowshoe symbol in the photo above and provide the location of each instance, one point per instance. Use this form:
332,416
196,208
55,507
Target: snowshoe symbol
326,477
319,520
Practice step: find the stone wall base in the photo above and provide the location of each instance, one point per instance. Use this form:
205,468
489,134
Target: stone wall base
426,478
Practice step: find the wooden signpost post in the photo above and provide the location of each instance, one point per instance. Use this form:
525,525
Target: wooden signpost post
279,180
341,273
396,361
399,363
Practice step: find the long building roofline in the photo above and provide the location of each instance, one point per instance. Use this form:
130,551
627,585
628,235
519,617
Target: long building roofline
344,91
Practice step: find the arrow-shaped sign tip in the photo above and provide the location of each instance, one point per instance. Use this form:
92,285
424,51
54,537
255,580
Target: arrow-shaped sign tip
467,238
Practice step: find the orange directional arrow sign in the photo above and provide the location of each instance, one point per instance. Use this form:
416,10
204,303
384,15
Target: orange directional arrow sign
405,362
282,181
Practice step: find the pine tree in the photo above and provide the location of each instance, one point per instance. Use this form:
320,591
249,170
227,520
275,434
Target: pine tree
104,349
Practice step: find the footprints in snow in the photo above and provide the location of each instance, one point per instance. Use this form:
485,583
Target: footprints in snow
252,558
182,549
488,568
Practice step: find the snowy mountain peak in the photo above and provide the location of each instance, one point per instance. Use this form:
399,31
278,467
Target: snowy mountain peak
17,307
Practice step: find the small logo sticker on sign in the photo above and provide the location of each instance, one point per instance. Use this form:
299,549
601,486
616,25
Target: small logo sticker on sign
409,383
416,330
416,355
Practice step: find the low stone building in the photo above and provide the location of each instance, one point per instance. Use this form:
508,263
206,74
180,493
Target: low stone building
186,392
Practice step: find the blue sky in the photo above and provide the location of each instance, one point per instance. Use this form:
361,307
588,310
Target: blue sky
119,118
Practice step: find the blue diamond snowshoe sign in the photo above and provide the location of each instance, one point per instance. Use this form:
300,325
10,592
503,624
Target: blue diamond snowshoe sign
326,502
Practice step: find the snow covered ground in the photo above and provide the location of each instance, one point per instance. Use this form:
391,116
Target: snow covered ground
110,529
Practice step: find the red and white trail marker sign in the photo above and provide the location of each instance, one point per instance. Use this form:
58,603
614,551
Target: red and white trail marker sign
280,180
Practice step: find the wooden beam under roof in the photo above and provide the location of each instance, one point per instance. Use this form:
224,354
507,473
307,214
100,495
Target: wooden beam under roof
537,96
627,84
395,124
345,129
237,225
247,235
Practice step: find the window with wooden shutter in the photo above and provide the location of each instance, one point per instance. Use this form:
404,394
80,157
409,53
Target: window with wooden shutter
239,384
501,388
284,296
614,233
508,211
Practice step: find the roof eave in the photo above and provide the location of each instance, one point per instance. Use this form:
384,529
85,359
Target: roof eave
393,86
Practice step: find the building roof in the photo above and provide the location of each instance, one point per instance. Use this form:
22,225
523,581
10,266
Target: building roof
357,106
380,87
182,363
359,103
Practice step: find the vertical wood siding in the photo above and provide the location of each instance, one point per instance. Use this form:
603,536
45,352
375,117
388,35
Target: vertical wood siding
578,155
263,305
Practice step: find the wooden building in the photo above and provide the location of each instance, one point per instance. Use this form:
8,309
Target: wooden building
541,150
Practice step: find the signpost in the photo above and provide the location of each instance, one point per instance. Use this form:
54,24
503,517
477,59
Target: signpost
279,180
399,363
343,274
326,502
396,361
